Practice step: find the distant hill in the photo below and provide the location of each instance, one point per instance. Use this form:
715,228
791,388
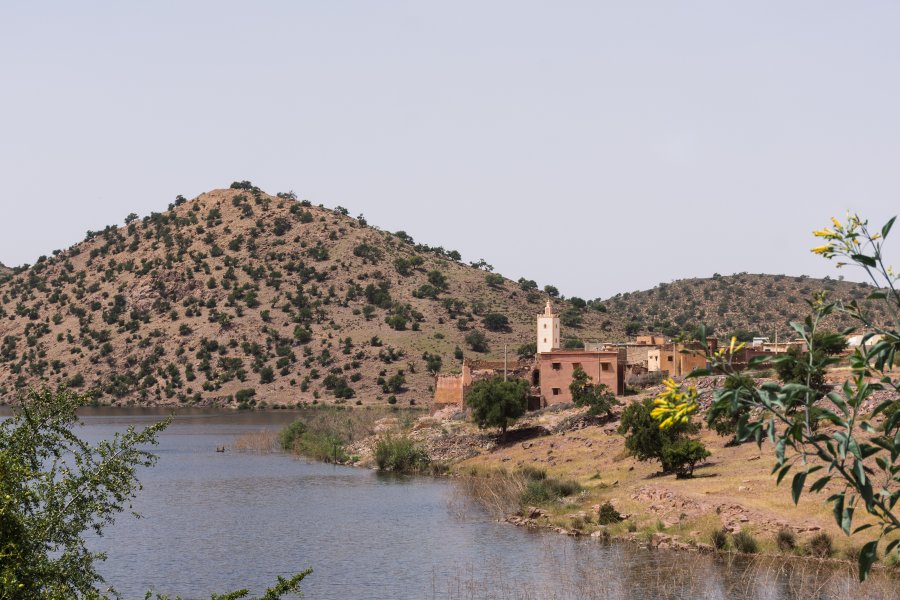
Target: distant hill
240,296
755,303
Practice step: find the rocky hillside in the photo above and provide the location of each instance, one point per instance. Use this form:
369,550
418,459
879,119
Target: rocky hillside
239,297
748,303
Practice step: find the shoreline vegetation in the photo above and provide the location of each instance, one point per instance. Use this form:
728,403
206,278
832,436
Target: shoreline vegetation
517,480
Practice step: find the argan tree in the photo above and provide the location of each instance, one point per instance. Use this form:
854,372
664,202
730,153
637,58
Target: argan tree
497,403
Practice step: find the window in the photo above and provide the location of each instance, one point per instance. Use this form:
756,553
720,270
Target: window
605,367
576,366
557,366
669,358
545,340
556,391
545,326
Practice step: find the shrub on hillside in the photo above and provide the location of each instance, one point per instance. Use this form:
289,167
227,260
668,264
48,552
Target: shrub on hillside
477,341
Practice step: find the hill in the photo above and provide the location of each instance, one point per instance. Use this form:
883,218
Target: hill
240,297
745,303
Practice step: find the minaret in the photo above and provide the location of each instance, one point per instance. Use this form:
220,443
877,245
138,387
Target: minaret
547,330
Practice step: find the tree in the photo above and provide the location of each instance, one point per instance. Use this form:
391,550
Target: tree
681,456
493,279
497,403
571,317
477,341
585,393
54,487
852,454
577,302
495,322
645,440
527,350
551,291
527,284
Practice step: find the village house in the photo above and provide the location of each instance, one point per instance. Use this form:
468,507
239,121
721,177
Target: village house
555,366
679,359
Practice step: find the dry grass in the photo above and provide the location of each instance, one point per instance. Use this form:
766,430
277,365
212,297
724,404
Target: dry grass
734,477
257,442
665,575
498,493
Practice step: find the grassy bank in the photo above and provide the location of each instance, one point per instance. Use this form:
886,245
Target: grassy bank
732,502
328,434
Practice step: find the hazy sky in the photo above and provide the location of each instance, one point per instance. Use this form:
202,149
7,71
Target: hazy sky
600,147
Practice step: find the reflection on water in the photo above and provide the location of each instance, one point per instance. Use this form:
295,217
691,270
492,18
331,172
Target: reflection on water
214,522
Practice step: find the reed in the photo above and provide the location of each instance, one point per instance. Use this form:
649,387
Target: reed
257,442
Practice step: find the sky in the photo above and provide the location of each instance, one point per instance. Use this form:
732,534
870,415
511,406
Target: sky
600,147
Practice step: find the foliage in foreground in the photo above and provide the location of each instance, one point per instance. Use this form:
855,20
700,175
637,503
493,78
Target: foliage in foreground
831,435
497,403
54,487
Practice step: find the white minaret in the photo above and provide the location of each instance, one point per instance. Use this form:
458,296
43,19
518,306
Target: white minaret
547,330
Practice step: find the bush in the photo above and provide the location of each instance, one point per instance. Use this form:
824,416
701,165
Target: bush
820,545
719,539
541,489
786,540
607,515
744,542
400,455
288,436
495,322
245,395
477,341
493,279
681,456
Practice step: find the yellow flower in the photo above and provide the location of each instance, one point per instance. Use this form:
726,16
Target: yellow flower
823,249
837,224
825,233
674,405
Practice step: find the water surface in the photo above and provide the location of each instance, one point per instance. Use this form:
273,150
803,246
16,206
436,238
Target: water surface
214,522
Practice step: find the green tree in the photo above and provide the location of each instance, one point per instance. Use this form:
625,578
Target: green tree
497,403
646,441
53,488
493,279
495,322
477,341
598,397
527,350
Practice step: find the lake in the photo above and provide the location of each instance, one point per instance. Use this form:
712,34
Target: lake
217,521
